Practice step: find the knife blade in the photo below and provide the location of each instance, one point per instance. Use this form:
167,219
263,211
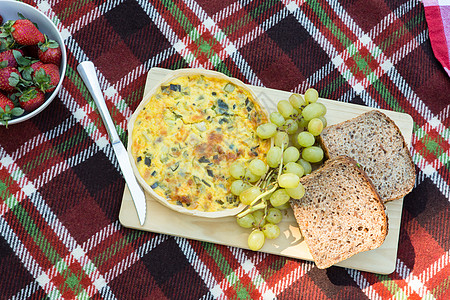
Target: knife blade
87,72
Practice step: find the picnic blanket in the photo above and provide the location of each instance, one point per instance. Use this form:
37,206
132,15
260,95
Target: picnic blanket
61,187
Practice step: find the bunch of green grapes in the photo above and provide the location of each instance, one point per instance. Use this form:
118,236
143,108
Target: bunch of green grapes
266,187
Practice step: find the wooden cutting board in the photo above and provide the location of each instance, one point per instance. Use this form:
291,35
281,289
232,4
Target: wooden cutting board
225,231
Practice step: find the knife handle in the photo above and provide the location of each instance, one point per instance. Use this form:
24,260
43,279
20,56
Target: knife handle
89,76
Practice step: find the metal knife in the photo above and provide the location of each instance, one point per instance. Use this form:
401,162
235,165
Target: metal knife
87,72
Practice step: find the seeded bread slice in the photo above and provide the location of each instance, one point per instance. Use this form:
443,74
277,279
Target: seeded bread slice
341,213
376,143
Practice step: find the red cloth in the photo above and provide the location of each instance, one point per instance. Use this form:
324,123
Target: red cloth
437,13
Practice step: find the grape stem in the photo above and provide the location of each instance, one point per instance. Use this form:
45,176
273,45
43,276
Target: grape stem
269,180
264,182
281,162
252,209
264,194
253,206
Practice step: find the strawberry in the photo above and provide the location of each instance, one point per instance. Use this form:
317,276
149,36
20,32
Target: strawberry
9,78
47,77
31,99
7,58
8,110
24,32
36,65
50,56
49,52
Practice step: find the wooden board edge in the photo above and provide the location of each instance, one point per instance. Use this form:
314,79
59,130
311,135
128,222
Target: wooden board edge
388,269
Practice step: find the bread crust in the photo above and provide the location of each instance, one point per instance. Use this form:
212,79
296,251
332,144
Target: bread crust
322,225
333,146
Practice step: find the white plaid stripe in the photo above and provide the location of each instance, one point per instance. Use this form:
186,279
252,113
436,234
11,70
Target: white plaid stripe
246,267
363,284
292,277
225,43
202,269
413,283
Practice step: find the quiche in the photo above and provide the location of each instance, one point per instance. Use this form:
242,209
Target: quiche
187,132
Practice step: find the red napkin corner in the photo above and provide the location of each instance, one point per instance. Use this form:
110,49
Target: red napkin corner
437,14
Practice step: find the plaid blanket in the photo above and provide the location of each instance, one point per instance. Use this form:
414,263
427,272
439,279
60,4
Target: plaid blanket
61,189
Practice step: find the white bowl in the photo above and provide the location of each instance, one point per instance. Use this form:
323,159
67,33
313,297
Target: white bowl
9,10
147,99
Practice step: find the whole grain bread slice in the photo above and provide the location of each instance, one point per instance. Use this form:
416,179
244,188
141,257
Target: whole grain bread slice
376,143
341,213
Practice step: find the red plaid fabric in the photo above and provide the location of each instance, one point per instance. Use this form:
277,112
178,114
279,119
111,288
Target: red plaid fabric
61,189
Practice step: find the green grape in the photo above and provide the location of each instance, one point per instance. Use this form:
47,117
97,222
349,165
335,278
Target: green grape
267,196
296,192
274,215
266,131
291,126
323,108
247,196
315,126
284,206
277,119
237,170
288,180
306,139
273,156
313,110
295,114
247,221
260,218
279,197
291,154
306,165
285,108
281,138
256,240
324,121
297,101
271,231
303,123
238,186
293,141
295,168
312,154
251,177
311,95
257,167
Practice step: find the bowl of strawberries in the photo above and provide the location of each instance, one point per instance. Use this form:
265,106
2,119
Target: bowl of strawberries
32,61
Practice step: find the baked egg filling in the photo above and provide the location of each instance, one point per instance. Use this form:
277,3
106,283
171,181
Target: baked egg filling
189,133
